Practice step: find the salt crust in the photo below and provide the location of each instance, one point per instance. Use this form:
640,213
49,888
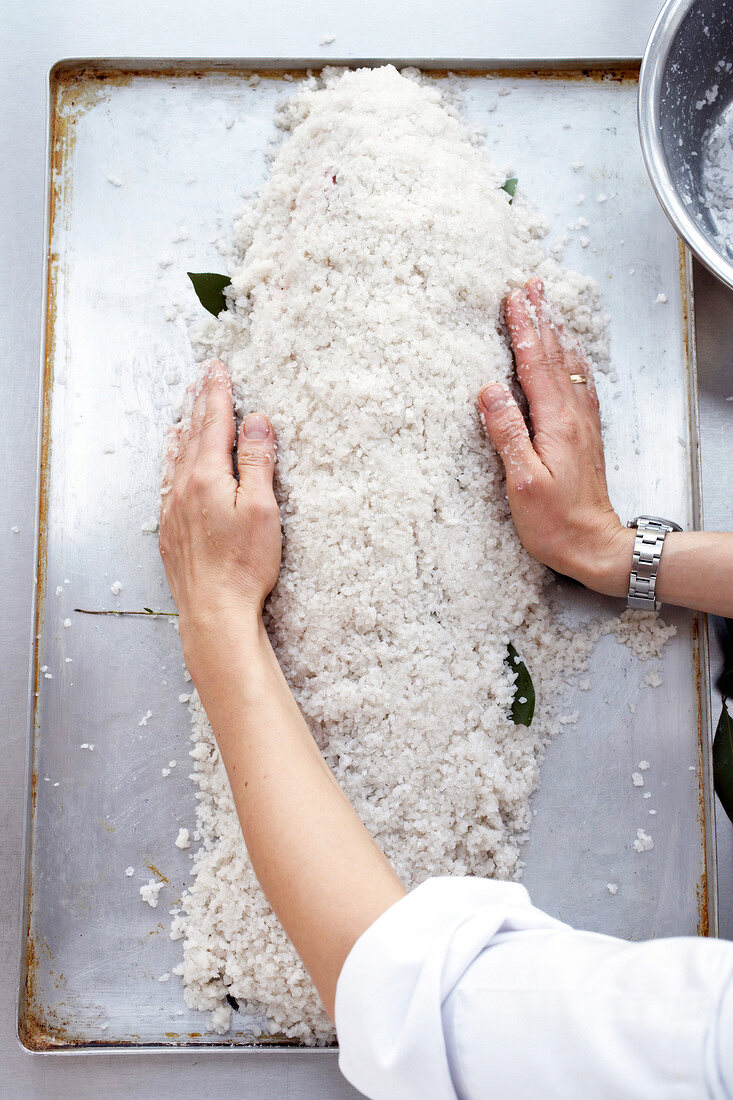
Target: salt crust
367,281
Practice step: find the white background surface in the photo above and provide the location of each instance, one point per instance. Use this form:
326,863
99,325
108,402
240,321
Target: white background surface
35,35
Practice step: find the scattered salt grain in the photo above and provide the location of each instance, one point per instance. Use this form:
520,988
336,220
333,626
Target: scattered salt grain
165,772
165,261
612,887
601,197
653,679
584,683
48,675
59,589
114,181
643,842
577,165
660,299
644,765
647,794
108,449
327,40
67,624
144,720
150,891
129,871
652,811
637,779
150,526
164,978
183,697
15,530
116,588
584,242
183,840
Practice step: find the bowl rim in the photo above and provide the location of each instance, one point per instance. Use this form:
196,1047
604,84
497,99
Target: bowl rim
651,74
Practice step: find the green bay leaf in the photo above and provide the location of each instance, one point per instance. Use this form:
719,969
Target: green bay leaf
210,289
524,697
510,186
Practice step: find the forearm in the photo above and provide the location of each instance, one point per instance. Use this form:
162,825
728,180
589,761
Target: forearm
695,570
324,876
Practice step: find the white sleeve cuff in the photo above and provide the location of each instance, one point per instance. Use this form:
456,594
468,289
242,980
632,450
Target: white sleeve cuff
393,984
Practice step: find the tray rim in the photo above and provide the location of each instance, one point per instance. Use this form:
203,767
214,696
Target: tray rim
32,1035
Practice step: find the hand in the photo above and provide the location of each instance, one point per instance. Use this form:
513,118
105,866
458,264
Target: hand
220,538
556,482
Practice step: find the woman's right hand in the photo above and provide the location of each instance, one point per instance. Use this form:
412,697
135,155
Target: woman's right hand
556,481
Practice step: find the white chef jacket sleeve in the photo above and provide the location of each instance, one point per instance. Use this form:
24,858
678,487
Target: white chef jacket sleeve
464,989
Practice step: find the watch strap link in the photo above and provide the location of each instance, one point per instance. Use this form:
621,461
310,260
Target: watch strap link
651,532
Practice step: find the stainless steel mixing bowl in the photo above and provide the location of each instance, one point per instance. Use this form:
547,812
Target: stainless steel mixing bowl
685,87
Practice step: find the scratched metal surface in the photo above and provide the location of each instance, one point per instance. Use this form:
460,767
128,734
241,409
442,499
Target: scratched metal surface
138,161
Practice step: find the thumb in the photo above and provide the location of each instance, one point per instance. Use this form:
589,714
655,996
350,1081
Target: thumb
256,453
508,432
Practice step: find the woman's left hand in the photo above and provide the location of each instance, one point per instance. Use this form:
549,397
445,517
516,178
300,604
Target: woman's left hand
556,481
220,538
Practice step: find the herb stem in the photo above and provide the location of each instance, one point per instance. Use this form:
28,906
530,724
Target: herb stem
146,613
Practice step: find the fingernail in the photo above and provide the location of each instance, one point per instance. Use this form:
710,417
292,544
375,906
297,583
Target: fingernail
256,426
488,393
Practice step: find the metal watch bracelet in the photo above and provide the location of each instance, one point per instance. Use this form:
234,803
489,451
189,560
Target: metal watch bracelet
651,532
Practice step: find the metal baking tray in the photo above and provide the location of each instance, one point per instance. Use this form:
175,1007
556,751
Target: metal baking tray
148,163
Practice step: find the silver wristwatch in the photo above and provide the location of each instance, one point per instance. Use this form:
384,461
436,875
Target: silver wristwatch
651,532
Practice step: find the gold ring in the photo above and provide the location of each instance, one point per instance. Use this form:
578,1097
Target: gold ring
579,379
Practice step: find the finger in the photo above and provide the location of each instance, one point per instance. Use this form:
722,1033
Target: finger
508,432
549,335
536,376
217,429
586,395
170,453
190,436
256,455
184,425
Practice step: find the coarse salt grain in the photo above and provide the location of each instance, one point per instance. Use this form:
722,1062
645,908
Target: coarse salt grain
643,842
149,892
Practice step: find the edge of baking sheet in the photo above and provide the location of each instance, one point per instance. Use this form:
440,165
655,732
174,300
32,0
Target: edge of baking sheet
707,891
33,1033
27,959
